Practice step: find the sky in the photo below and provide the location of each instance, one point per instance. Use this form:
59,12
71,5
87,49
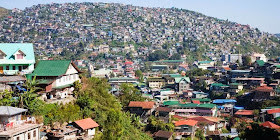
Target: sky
262,14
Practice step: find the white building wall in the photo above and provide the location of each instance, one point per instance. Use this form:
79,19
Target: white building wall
91,132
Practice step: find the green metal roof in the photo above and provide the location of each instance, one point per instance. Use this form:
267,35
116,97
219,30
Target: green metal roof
273,107
64,86
44,81
188,105
260,62
219,85
51,67
178,79
11,48
235,84
277,66
206,105
204,62
175,75
202,99
171,103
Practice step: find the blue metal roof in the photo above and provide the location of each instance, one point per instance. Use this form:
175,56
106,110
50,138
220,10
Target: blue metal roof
222,101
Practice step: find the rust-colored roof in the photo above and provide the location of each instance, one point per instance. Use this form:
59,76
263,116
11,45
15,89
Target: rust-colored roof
164,109
227,68
264,89
178,117
244,112
270,125
196,101
163,134
86,123
144,104
186,122
272,111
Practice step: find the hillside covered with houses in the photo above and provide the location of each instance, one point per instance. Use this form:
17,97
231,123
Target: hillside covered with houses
81,71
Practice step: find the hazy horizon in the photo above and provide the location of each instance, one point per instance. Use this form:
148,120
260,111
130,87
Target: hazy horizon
256,13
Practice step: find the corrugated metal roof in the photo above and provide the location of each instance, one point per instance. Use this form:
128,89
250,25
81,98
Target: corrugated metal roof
9,111
51,67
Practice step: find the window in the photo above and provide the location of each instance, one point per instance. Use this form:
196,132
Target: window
17,138
1,56
29,136
59,80
34,133
70,77
25,67
19,56
7,67
14,67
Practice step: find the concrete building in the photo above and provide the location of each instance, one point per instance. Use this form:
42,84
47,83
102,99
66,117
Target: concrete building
14,128
231,58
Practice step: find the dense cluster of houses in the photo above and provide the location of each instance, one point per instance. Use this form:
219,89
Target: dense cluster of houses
171,96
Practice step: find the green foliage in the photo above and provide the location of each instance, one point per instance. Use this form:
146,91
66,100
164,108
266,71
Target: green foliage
129,93
138,73
247,61
175,56
107,112
158,55
6,98
155,125
199,134
259,132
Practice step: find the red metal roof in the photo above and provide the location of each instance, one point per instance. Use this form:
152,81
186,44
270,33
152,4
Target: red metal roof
264,89
244,112
86,123
227,68
186,122
128,63
196,101
270,125
144,104
272,111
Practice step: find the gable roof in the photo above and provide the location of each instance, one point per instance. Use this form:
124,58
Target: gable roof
186,122
10,48
86,123
270,125
144,104
178,79
52,67
10,111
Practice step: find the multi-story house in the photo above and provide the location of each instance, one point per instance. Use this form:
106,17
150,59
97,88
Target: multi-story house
56,77
12,127
16,58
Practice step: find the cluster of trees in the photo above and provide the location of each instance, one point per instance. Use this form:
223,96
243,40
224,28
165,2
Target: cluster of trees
158,55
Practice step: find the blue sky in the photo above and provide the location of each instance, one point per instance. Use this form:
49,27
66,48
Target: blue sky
263,14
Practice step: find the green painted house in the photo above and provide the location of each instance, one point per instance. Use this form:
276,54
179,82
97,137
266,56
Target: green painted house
16,58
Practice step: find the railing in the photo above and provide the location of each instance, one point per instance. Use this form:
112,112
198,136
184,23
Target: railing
11,125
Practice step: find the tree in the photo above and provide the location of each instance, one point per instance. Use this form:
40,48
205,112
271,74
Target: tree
158,55
175,56
138,73
129,93
199,134
247,61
